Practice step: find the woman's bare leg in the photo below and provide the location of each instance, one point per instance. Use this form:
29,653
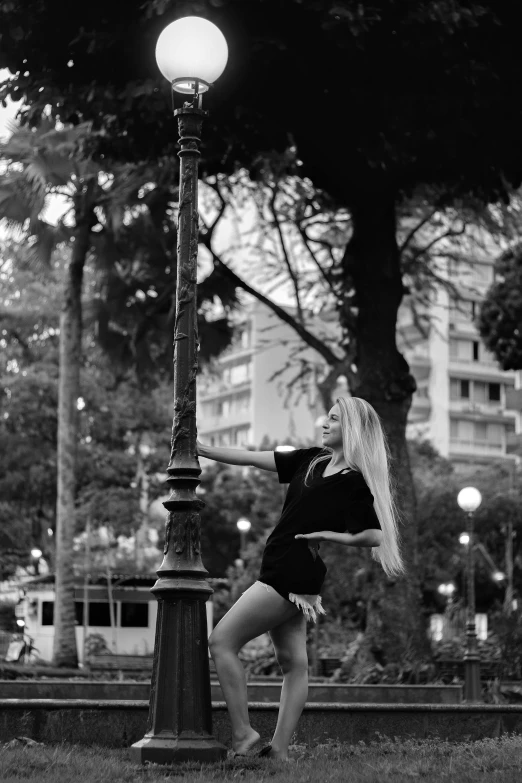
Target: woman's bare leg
257,611
289,640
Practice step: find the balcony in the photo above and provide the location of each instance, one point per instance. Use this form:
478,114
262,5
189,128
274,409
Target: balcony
475,448
493,411
221,389
420,409
208,424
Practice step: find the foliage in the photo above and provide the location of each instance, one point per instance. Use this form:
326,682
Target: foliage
421,118
384,758
500,318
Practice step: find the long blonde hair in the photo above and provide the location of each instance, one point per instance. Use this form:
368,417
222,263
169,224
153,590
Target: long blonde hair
366,449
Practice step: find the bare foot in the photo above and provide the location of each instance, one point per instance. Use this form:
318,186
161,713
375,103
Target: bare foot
279,755
242,745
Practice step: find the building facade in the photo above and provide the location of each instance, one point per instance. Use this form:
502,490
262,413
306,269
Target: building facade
464,403
248,396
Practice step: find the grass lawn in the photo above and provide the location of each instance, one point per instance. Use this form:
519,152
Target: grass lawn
385,762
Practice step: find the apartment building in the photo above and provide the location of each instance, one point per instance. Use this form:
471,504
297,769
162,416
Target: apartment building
248,395
464,403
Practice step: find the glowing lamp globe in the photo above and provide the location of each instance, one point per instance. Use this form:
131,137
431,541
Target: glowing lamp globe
243,524
469,499
191,50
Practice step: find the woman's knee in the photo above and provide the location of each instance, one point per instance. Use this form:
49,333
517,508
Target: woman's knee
218,642
292,661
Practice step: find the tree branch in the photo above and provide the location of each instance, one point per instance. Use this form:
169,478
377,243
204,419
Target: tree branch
310,339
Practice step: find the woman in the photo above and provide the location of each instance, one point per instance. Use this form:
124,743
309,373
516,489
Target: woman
339,493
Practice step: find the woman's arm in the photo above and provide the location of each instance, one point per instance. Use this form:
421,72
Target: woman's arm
364,538
257,459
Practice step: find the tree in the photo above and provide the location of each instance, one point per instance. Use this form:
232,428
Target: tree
424,118
500,318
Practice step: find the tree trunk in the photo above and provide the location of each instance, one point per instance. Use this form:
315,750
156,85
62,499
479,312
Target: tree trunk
65,649
378,373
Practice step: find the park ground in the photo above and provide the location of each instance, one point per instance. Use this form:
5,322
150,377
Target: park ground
386,761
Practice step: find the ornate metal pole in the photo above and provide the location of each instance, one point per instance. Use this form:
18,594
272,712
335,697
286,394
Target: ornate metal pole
472,689
180,718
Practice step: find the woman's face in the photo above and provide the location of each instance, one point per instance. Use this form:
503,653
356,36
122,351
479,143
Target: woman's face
332,435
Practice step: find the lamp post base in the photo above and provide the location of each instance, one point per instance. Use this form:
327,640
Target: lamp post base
164,749
180,711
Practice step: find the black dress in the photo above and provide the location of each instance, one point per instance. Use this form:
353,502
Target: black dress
341,502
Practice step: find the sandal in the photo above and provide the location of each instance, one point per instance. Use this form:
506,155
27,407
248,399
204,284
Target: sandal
265,751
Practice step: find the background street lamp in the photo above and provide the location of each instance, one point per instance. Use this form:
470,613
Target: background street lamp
447,589
243,525
191,53
469,499
36,555
142,533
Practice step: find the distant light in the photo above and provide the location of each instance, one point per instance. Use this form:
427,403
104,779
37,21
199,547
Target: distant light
36,553
498,576
243,524
50,531
285,448
464,538
80,403
469,499
20,623
448,588
145,450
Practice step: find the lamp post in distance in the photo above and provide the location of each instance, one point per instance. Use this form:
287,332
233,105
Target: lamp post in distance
191,53
447,589
36,554
469,499
243,525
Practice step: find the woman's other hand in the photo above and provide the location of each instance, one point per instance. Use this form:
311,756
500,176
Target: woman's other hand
323,535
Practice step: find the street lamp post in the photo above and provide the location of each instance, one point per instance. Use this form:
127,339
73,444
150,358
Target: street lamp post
191,53
141,538
36,554
469,499
243,525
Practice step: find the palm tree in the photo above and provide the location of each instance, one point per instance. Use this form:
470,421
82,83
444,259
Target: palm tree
40,163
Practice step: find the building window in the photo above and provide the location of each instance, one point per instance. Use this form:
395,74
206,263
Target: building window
240,373
135,615
48,612
494,392
479,392
479,433
459,389
99,614
475,351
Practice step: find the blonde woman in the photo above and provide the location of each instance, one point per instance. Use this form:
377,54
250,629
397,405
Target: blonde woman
339,493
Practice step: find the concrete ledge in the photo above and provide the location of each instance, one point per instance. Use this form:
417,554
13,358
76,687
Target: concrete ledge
257,691
116,724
